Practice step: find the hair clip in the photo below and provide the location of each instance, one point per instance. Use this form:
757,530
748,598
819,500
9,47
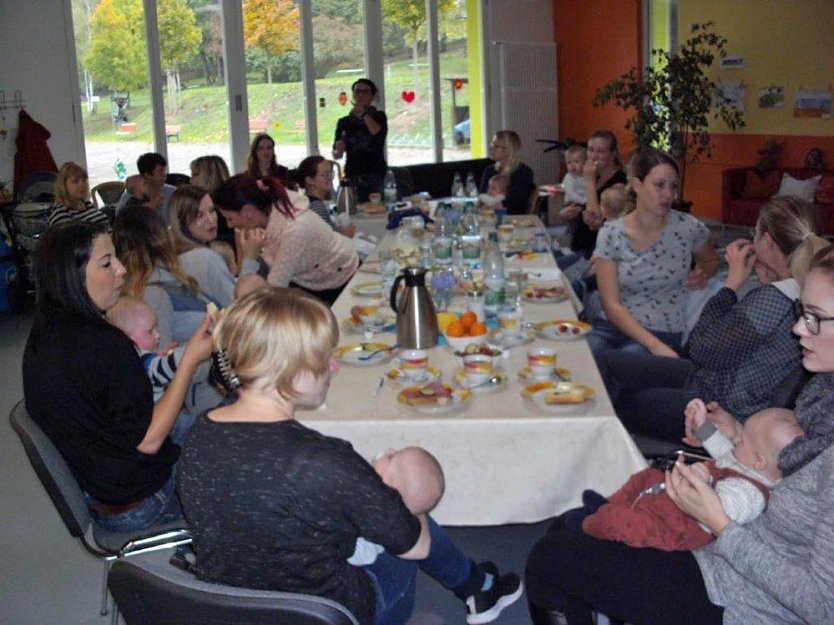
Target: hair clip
223,366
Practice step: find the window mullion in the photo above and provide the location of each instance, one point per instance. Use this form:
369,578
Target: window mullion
155,76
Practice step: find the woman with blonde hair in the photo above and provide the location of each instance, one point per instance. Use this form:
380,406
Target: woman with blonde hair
146,247
72,199
275,505
505,150
740,350
194,225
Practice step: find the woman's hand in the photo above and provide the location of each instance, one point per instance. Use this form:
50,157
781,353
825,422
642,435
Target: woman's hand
659,348
251,242
570,212
199,345
339,149
592,218
741,259
590,170
349,230
697,279
690,492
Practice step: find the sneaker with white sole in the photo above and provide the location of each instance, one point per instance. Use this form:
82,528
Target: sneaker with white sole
485,605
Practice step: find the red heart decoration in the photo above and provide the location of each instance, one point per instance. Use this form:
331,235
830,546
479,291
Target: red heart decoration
408,96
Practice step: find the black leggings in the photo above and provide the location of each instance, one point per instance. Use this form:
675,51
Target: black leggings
573,573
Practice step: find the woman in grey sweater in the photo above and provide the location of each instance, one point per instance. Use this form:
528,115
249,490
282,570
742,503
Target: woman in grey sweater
778,569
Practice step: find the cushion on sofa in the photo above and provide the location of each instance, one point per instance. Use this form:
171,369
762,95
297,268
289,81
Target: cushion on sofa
825,191
758,186
803,189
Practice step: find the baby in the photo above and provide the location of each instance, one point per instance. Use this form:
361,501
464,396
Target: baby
573,184
612,203
138,321
641,514
417,476
496,192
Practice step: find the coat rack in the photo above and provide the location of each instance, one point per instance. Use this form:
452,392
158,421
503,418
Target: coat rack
17,102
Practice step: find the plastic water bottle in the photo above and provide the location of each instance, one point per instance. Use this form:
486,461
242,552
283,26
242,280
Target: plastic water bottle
457,186
390,190
443,242
471,186
471,242
493,276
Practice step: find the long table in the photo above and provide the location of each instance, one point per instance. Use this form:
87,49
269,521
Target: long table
505,460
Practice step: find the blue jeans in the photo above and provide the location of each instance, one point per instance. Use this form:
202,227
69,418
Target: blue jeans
606,335
161,507
394,579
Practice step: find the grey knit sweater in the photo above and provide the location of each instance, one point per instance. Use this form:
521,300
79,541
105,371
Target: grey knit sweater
780,567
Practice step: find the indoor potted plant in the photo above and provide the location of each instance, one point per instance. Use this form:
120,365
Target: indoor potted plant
671,102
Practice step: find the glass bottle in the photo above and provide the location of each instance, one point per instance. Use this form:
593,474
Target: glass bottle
390,190
493,276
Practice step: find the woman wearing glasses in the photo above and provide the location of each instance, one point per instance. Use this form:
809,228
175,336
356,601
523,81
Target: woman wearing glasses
742,348
361,135
776,569
505,150
210,262
315,176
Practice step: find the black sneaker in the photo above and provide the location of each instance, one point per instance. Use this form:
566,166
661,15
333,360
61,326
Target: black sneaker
485,605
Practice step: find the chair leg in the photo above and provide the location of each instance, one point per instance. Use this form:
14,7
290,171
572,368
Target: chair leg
104,593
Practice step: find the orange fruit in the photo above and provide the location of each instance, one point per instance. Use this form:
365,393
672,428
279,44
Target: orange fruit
478,329
454,329
467,319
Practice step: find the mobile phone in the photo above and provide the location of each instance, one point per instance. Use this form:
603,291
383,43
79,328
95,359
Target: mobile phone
668,461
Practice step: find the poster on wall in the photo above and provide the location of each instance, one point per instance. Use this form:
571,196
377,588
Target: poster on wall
772,98
812,103
733,94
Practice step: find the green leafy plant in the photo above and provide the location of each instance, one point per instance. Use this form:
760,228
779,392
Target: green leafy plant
672,101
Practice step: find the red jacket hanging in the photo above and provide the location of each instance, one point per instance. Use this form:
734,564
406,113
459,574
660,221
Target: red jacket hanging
32,151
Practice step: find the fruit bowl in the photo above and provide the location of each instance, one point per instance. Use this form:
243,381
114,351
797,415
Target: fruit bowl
459,343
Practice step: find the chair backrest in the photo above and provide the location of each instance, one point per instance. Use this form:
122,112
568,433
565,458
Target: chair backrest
39,187
148,593
109,192
53,472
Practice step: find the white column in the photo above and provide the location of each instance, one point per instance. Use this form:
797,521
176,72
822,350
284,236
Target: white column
235,73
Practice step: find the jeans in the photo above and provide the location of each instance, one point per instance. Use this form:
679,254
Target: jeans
606,335
394,578
648,392
161,507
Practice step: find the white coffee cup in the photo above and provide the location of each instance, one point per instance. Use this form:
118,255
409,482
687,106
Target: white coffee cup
542,361
477,367
414,363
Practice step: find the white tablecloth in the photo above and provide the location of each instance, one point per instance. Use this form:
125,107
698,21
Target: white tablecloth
505,460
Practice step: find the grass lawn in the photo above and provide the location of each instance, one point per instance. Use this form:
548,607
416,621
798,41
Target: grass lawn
203,117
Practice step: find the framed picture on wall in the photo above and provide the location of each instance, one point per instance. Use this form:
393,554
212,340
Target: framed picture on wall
772,98
812,103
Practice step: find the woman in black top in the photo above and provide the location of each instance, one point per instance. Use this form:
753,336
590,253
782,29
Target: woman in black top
86,387
262,162
505,150
602,170
361,135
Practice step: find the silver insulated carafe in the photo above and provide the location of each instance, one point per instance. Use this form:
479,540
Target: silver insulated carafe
416,317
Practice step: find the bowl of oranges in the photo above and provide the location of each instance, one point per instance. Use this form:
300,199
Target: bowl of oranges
466,330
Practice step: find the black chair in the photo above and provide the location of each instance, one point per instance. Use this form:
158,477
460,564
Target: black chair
153,593
177,179
69,501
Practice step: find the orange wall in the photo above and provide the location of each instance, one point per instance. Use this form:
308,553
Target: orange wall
596,41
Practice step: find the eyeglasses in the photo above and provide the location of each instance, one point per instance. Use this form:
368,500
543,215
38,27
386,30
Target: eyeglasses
363,90
498,146
812,320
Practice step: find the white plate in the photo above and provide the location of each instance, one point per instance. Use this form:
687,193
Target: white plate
526,373
528,294
562,329
397,376
544,274
352,326
351,354
368,289
462,381
460,401
501,338
538,392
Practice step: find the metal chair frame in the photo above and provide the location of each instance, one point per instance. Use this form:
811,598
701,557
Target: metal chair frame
68,499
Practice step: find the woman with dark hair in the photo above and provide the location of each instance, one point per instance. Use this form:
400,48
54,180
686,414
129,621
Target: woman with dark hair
261,162
315,177
505,150
361,135
210,172
740,350
301,250
86,387
643,263
777,569
603,169
194,226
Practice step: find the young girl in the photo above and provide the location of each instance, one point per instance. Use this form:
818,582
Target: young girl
72,199
262,163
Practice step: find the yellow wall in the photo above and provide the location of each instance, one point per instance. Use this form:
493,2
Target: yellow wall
787,43
473,54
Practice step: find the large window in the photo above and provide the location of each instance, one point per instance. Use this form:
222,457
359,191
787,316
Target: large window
191,95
